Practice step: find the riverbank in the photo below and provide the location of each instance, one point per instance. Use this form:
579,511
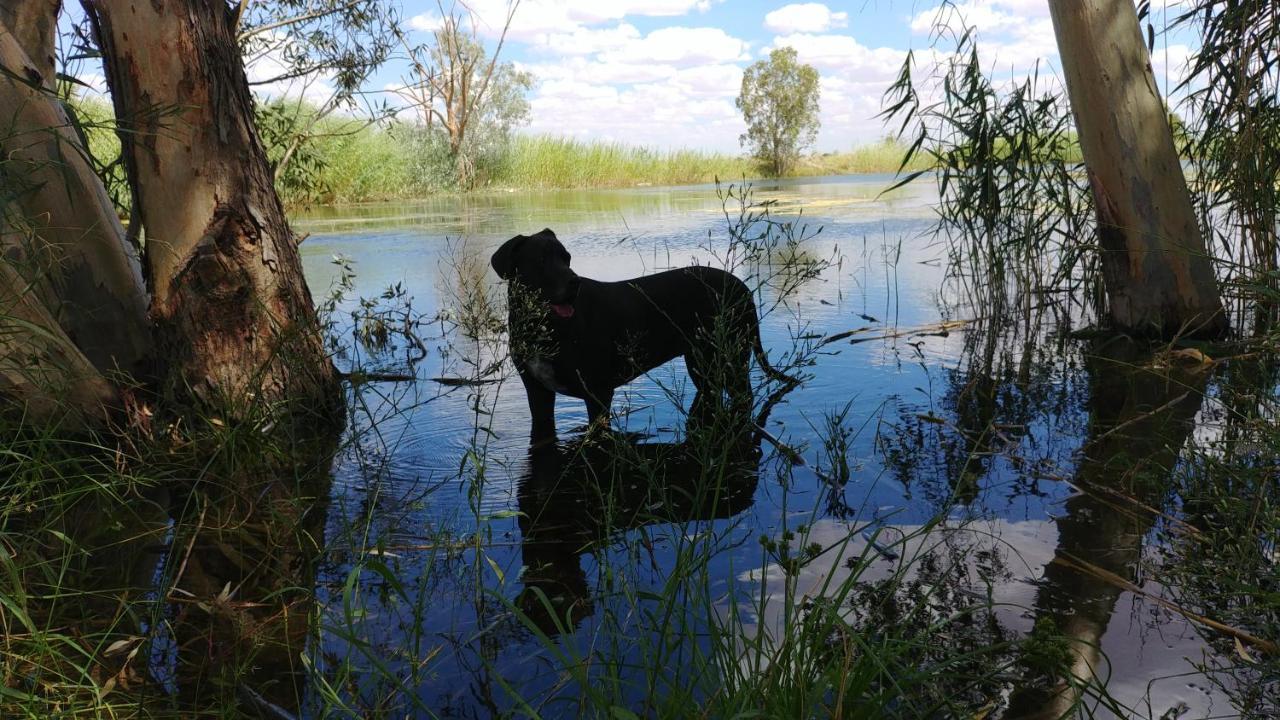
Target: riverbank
344,160
374,163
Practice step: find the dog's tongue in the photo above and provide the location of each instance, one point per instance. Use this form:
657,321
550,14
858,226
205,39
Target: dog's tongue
564,311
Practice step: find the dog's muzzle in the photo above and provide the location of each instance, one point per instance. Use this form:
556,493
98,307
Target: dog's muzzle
565,309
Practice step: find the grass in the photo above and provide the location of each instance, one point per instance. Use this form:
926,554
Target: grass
883,156
358,163
347,160
545,162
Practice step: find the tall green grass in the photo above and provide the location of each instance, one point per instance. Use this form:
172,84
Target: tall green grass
348,160
543,161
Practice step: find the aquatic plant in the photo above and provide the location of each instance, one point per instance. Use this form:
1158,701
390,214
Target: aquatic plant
1014,212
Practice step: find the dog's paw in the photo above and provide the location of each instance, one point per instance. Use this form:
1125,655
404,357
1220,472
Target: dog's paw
541,443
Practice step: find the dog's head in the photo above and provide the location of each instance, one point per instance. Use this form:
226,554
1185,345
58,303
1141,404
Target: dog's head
540,263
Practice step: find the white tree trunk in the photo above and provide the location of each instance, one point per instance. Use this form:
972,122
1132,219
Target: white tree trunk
1158,274
33,24
72,304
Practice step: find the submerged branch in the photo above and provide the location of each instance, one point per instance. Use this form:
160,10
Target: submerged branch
933,329
1111,578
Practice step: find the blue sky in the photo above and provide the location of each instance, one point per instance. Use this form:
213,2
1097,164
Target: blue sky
665,72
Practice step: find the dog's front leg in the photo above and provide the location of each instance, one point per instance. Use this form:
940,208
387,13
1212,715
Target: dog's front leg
542,410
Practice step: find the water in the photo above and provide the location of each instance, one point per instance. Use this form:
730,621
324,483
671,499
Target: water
997,433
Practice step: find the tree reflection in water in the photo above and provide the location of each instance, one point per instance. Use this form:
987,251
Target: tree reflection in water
1140,417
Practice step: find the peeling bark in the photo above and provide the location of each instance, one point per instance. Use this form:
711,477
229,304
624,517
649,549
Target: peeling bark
232,311
61,231
41,370
33,25
1157,271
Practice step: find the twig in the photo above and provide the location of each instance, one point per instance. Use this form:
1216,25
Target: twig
1143,416
1075,563
469,382
941,327
1094,489
182,567
364,377
794,456
294,20
264,705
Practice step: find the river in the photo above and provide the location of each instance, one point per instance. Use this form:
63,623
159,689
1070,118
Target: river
913,418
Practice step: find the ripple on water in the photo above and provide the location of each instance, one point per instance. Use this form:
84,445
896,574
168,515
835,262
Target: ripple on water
929,419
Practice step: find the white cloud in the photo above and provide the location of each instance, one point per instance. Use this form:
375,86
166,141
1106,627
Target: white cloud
586,41
681,46
805,18
592,70
426,22
623,44
672,87
667,113
1013,35
541,18
986,15
844,55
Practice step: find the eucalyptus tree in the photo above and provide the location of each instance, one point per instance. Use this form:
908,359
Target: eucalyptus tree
460,89
1155,263
212,310
205,322
779,102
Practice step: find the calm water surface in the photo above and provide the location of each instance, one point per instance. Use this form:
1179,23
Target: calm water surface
987,432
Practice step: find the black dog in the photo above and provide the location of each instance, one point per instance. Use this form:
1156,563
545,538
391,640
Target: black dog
585,338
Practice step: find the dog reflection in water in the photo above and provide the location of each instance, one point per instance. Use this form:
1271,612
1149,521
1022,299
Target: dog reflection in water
582,495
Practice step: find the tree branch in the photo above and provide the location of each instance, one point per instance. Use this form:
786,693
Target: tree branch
268,27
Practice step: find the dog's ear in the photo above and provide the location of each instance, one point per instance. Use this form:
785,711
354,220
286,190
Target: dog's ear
550,236
504,258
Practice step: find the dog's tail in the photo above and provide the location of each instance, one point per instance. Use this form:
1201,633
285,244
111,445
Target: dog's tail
763,359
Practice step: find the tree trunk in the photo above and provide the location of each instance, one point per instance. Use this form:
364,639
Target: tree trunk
1158,274
33,24
232,311
61,232
72,304
41,370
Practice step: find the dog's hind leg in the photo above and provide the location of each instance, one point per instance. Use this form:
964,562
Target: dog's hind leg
599,400
542,410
